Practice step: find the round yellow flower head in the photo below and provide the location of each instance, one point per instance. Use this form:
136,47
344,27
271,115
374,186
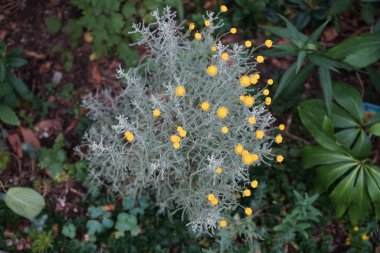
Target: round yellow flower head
356,228
257,76
210,197
248,101
248,159
260,59
214,202
213,48
180,91
279,158
212,70
248,211
254,184
191,26
248,43
129,136
224,130
223,8
266,92
281,127
225,56
205,106
181,132
198,36
222,112
175,138
219,170
278,139
254,80
247,193
207,23
268,100
268,43
223,223
255,157
176,145
156,113
244,152
239,149
233,30
245,81
252,120
270,81
365,237
241,98
260,134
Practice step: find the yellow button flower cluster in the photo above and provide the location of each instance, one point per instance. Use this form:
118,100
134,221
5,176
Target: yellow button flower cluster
212,199
129,136
176,139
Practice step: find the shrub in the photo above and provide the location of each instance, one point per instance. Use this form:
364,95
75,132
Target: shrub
188,125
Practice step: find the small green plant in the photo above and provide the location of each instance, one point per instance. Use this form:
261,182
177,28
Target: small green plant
42,241
342,159
11,86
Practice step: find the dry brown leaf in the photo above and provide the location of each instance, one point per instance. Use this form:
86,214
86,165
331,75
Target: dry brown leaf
30,137
15,143
48,127
96,75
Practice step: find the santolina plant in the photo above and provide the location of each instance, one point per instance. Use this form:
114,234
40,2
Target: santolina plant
192,119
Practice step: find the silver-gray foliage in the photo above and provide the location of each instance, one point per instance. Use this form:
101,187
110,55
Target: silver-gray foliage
180,179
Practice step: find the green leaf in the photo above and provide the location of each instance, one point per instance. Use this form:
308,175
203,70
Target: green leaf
325,61
281,50
16,62
53,24
127,222
375,78
8,116
362,147
21,88
296,36
315,155
69,230
363,57
279,31
317,33
337,7
374,119
349,98
341,119
286,77
94,227
375,129
328,174
300,59
347,136
3,71
360,199
373,183
325,80
25,202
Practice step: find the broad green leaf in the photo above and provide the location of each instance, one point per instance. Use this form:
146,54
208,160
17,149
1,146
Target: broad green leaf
25,202
69,230
325,61
375,78
300,59
327,127
341,119
279,31
349,99
16,62
325,80
21,88
375,129
373,187
316,155
347,136
8,116
360,202
328,174
337,7
363,57
94,227
362,147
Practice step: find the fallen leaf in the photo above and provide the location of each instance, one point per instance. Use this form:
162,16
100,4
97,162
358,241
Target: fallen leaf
32,54
330,33
47,128
96,75
30,137
15,143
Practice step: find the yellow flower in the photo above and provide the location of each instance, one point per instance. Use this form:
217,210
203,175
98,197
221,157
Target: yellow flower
225,56
218,170
365,237
222,112
181,132
176,145
205,106
281,127
212,70
266,92
207,23
248,211
223,223
214,202
356,228
233,30
198,36
239,149
279,158
255,157
268,100
175,138
260,59
248,101
247,193
213,48
270,81
244,152
257,76
259,134
278,139
129,136
254,80
191,26
224,130
180,91
223,8
254,184
252,120
241,98
210,197
247,43
248,159
245,81
268,43
156,113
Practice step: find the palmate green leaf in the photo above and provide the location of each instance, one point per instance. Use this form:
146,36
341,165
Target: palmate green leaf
328,174
360,202
349,99
315,155
375,129
362,147
347,136
326,84
373,186
25,202
341,119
